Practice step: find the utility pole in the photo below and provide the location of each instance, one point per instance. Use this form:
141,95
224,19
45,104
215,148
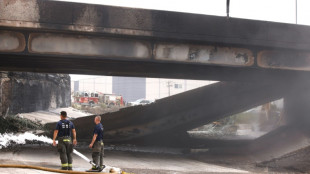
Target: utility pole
159,88
169,84
1,86
296,11
227,8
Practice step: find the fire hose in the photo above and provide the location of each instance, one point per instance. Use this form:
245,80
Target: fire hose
49,169
58,170
46,169
55,170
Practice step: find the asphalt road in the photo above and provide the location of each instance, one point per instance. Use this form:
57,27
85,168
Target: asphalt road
133,162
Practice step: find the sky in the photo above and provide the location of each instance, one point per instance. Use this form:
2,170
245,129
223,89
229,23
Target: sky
267,10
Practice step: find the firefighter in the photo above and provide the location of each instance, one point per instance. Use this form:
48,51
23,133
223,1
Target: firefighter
97,145
63,131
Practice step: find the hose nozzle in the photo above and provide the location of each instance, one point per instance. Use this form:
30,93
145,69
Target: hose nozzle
92,163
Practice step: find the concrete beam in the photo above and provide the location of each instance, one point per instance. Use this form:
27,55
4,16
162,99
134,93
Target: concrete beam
64,37
67,16
84,54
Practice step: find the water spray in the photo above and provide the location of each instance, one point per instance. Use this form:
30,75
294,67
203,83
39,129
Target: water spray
9,138
84,157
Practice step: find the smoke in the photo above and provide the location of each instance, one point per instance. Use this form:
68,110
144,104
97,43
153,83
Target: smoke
8,138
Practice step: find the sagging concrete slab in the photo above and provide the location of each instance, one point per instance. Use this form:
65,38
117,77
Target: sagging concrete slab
182,112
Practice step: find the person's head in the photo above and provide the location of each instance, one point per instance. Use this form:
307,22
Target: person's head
97,119
63,115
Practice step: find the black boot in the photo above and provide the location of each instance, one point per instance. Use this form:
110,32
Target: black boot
70,167
101,168
64,168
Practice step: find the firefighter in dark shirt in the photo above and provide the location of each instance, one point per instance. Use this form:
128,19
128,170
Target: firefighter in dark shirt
63,131
97,145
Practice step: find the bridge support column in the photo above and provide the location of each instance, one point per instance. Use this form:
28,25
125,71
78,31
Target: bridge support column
4,90
294,134
297,109
1,111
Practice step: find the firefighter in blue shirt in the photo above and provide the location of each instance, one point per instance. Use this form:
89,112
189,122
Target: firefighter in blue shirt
97,145
63,131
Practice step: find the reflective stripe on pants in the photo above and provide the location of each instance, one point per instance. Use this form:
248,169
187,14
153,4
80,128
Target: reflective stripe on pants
65,165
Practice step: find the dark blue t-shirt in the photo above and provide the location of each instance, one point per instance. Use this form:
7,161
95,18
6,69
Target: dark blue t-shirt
99,131
64,128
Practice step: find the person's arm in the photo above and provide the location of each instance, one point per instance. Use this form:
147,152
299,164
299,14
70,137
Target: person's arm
74,137
54,137
93,140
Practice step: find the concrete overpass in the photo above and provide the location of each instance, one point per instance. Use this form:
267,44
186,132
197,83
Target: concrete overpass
64,37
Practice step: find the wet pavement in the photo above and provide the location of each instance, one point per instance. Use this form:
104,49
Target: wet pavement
135,162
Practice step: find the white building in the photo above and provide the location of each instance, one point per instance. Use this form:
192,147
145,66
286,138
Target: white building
157,88
133,88
101,84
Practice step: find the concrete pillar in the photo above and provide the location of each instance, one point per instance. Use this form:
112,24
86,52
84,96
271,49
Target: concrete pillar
294,134
3,80
297,108
3,92
1,111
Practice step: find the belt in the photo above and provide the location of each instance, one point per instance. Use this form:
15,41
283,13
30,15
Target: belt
65,138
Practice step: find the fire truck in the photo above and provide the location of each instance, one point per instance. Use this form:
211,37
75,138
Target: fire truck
111,99
92,98
86,98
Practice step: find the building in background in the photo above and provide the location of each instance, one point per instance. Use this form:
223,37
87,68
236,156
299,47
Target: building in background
98,84
133,88
157,88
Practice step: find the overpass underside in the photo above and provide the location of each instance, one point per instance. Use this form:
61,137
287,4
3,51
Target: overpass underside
64,37
259,62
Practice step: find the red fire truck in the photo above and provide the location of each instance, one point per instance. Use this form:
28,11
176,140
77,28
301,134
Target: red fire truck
92,98
111,99
86,98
